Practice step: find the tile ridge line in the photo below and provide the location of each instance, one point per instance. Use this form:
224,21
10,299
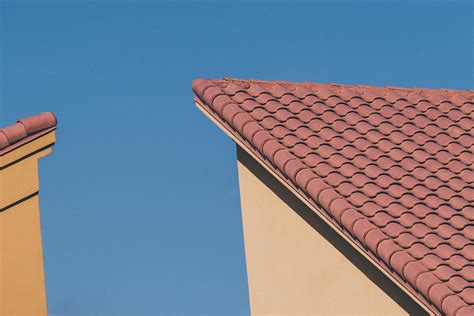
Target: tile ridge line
406,89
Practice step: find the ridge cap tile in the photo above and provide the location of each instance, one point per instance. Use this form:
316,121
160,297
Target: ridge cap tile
390,166
25,127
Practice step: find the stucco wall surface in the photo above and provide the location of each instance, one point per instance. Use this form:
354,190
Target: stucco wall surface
292,269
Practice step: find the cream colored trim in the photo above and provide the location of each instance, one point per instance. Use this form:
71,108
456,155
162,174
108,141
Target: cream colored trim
318,211
40,147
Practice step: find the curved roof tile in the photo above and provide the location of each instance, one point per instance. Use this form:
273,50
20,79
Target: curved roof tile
26,127
391,166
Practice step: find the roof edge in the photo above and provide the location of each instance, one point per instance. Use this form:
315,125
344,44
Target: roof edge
381,266
26,127
199,81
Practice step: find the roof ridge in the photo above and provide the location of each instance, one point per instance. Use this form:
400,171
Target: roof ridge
25,127
228,79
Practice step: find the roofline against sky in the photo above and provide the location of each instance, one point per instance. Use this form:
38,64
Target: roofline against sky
409,291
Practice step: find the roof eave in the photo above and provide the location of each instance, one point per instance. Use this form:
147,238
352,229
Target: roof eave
430,309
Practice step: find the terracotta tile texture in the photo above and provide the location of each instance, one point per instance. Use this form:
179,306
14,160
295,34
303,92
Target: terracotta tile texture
25,128
392,167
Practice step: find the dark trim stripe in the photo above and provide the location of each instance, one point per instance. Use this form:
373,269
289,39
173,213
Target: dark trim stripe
3,209
26,141
26,156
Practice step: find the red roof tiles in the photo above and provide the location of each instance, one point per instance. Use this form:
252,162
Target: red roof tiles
24,128
392,167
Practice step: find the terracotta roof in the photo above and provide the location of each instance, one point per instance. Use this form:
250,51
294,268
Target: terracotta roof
392,167
25,128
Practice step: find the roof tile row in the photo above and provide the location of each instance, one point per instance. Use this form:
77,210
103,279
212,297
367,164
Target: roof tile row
392,167
26,127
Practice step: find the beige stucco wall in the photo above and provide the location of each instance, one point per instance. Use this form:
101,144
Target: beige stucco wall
292,269
21,267
22,282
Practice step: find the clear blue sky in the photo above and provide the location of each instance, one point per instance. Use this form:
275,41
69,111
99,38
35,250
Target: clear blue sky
140,205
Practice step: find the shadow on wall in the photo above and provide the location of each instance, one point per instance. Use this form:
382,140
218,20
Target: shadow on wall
308,215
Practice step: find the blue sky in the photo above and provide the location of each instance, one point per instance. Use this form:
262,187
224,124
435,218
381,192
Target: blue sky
139,201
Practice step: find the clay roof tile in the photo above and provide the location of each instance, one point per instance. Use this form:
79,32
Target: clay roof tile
392,168
24,128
